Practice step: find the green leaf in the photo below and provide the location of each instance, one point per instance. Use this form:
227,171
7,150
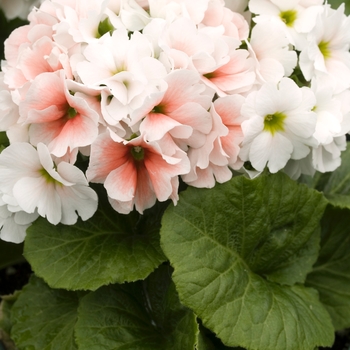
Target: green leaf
5,319
5,311
336,3
44,318
237,250
10,253
331,274
336,185
108,248
144,315
4,141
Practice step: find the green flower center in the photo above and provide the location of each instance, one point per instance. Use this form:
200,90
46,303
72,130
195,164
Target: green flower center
288,17
324,48
49,179
210,75
159,109
72,112
138,153
274,122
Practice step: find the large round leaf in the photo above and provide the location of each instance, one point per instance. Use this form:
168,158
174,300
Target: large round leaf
238,251
144,315
331,274
44,318
108,248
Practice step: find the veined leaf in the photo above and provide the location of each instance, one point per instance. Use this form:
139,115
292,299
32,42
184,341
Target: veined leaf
44,318
144,315
331,274
108,248
238,251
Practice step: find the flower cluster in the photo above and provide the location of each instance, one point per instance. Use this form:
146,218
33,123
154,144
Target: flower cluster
151,91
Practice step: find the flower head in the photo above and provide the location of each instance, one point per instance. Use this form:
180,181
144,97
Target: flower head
135,172
279,125
35,183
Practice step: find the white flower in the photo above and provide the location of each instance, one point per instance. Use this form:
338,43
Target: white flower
126,67
328,111
13,225
327,157
30,180
133,16
333,122
294,17
270,48
9,113
327,54
279,126
294,168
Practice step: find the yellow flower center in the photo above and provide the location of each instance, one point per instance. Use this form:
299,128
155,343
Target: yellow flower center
324,48
274,122
288,17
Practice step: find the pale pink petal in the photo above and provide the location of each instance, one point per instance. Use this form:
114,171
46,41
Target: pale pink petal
121,207
106,155
156,125
193,114
121,182
145,196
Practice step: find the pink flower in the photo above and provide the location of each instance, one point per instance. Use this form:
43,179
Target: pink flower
31,50
234,23
57,116
181,111
229,110
135,172
211,162
235,76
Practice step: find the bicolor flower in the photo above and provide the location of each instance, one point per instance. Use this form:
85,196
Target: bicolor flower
135,172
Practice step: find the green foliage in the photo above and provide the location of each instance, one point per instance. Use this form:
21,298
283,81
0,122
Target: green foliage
238,251
5,320
108,248
44,318
140,316
241,253
331,274
336,3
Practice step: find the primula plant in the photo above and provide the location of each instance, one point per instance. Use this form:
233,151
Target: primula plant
177,173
